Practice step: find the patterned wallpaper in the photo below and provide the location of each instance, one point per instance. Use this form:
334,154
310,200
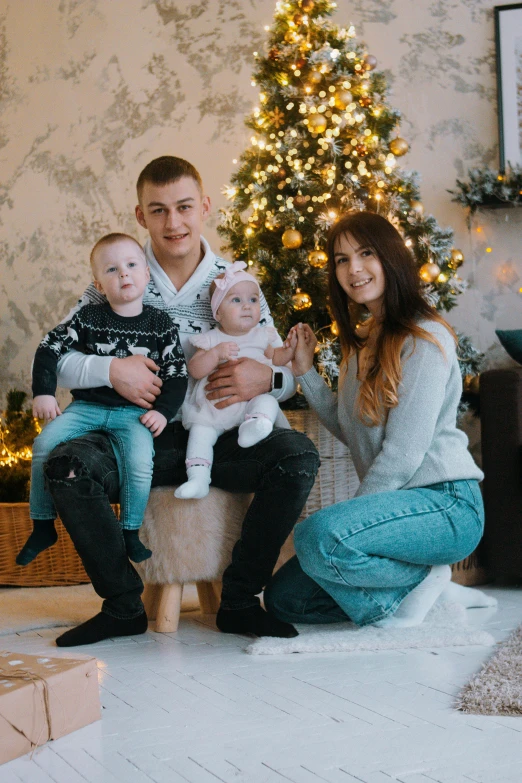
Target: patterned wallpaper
92,90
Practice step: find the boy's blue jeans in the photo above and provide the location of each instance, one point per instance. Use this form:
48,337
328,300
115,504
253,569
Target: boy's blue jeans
132,444
359,559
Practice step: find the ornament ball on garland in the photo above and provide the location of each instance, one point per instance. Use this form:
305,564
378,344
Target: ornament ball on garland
429,272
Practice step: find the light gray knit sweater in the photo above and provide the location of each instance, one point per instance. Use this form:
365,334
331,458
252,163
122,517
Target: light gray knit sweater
419,444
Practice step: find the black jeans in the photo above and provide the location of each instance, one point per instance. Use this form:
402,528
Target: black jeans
82,477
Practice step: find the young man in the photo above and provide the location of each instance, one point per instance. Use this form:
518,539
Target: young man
82,474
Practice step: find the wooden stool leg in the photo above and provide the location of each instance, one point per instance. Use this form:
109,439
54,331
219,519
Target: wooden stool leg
169,607
150,598
208,598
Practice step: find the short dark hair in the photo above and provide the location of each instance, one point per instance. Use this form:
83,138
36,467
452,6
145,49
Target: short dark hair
111,239
162,171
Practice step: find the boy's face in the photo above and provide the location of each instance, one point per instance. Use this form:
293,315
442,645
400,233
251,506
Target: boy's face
121,272
174,215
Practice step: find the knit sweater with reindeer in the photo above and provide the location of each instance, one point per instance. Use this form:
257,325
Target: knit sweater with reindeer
99,330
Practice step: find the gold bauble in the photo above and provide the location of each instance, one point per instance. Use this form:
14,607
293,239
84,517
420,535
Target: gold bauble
291,36
317,258
301,301
429,272
292,238
307,5
417,206
370,62
315,77
399,146
457,257
343,98
334,328
472,383
317,123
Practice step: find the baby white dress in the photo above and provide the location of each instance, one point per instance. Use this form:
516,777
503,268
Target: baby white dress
197,409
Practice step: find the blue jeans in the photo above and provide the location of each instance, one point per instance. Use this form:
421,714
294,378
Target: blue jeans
359,559
132,445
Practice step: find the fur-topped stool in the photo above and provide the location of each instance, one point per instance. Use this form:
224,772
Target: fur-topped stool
191,541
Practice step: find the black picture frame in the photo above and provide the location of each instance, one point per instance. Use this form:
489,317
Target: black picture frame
508,43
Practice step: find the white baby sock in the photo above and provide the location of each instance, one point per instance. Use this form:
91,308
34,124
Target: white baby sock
253,430
197,485
418,603
469,597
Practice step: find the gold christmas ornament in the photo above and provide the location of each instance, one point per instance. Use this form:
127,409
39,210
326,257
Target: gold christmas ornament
342,98
301,301
370,62
317,258
292,238
277,117
317,123
315,77
457,257
418,207
472,383
307,5
399,146
291,36
429,272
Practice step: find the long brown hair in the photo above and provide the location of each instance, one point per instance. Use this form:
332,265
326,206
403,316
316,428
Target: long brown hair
404,306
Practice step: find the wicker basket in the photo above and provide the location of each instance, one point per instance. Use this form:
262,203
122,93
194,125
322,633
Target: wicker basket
58,565
337,481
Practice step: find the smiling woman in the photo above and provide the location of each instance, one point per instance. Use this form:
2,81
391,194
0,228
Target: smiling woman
383,557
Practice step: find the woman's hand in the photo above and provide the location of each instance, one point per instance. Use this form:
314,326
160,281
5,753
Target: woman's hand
305,349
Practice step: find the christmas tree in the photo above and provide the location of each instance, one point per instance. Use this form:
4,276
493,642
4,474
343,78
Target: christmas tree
18,429
325,141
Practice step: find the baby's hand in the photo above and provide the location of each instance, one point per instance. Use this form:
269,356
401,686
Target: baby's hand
291,339
46,407
228,351
154,421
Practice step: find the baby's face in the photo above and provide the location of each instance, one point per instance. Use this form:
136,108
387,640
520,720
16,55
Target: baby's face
240,310
121,272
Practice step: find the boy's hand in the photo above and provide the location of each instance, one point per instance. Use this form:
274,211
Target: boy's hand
46,407
154,421
228,351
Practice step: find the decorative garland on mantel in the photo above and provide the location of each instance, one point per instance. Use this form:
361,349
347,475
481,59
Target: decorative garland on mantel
489,189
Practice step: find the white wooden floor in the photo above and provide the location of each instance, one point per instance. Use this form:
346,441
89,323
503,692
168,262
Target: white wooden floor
194,707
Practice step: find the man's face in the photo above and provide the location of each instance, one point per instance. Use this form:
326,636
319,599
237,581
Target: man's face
174,215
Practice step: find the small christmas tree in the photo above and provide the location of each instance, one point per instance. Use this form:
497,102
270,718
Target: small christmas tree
325,141
18,429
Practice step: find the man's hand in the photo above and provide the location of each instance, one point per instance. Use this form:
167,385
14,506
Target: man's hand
154,421
133,377
46,407
238,381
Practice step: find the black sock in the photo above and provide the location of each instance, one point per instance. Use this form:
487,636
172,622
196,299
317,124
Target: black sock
43,536
253,620
135,549
102,626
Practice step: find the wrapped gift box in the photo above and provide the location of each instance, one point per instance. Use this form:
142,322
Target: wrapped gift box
44,698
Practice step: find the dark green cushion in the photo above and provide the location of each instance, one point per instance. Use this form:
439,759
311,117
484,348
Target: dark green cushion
511,340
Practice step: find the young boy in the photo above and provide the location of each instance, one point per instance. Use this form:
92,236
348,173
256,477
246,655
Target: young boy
122,327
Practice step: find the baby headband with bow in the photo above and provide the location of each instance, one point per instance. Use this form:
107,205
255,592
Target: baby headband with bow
233,274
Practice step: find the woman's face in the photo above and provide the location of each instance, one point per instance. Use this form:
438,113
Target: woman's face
360,273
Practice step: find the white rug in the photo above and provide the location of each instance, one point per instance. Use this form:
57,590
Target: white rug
33,608
445,626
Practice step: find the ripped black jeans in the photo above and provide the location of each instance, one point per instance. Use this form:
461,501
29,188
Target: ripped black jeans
82,477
